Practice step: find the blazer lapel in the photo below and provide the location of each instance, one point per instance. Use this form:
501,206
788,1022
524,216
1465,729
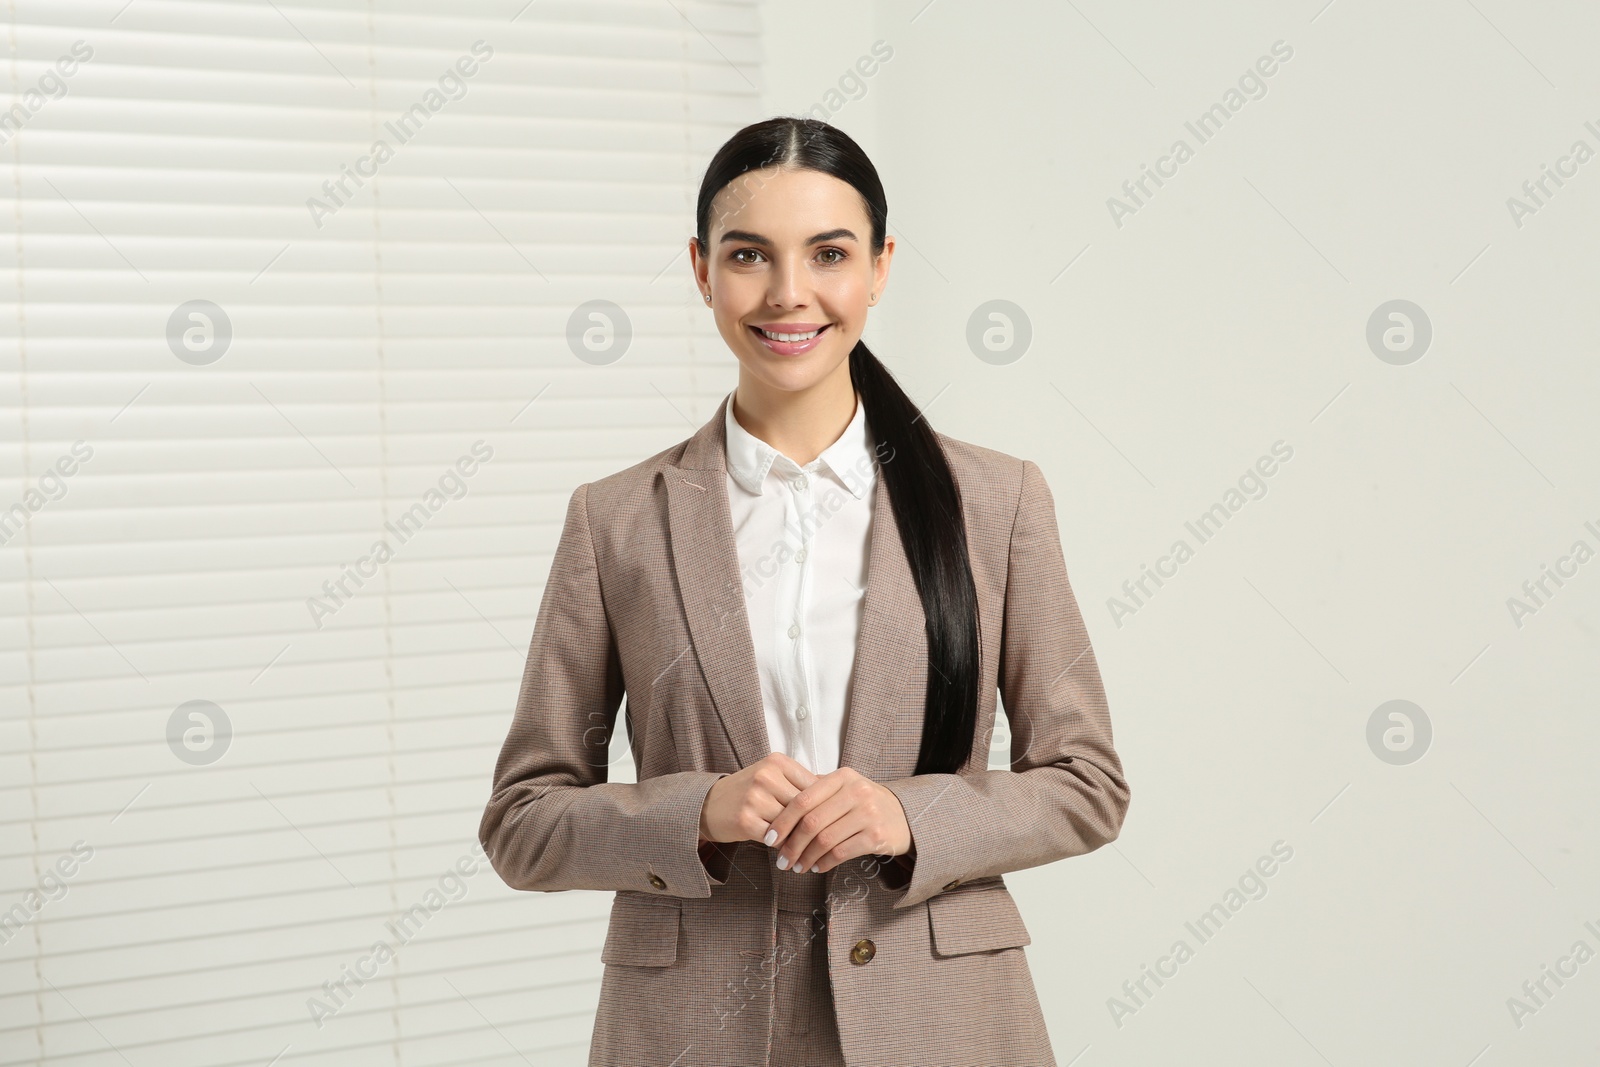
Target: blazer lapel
892,637
705,557
706,560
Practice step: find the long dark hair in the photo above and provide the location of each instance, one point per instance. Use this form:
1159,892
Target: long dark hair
922,489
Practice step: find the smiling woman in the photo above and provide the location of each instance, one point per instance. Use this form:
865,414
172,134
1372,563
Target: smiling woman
809,867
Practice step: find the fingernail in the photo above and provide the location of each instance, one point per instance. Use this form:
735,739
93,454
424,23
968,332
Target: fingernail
813,868
772,835
783,862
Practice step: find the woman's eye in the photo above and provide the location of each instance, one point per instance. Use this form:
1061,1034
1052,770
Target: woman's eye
738,256
834,255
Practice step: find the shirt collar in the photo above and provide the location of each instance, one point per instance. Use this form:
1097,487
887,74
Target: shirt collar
849,458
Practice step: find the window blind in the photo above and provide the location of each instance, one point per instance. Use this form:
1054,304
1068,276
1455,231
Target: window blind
314,315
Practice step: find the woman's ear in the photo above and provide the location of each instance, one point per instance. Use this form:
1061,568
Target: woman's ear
701,267
880,269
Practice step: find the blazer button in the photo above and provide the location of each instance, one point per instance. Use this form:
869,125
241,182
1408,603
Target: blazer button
951,885
655,880
863,952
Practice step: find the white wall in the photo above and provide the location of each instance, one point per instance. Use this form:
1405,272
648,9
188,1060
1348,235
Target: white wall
1228,313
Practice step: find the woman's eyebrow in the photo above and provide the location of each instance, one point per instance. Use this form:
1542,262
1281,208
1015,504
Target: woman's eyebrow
746,237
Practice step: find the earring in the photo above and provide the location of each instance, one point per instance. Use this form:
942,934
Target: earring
708,298
873,299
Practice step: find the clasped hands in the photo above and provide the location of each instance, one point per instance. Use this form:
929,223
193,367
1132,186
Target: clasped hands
815,821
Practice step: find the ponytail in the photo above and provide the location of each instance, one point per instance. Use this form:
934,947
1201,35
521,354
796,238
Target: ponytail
927,510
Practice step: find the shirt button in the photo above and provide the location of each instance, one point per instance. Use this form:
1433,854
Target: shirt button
794,631
863,951
655,880
801,712
800,556
800,483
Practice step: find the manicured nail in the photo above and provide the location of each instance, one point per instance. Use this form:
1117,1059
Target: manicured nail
772,835
783,862
813,868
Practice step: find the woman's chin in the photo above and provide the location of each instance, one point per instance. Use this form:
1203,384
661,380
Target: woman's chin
792,374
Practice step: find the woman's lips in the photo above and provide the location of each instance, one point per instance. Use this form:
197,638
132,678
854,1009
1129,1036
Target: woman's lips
792,348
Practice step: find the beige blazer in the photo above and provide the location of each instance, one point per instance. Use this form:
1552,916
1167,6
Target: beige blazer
644,601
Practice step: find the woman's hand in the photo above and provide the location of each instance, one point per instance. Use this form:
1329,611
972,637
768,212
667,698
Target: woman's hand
839,816
741,806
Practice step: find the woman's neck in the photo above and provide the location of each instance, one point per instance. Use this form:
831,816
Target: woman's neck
798,424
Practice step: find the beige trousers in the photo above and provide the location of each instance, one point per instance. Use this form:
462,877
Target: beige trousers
804,1030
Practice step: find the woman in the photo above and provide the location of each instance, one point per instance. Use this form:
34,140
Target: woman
810,605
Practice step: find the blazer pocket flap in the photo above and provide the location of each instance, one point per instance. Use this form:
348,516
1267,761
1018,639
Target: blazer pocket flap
975,920
642,933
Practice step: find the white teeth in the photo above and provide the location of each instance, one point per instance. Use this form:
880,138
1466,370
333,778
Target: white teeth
789,336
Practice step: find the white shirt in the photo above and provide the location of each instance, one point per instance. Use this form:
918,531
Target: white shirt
802,535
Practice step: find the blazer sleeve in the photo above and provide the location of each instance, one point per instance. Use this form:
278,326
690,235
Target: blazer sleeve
1064,794
553,821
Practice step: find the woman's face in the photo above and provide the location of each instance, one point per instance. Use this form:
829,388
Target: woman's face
791,273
